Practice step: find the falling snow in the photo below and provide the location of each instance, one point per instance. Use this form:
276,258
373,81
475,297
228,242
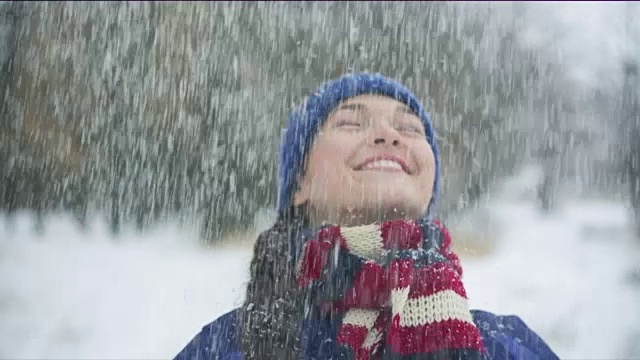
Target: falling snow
135,136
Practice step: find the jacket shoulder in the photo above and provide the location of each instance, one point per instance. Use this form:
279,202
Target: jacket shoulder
508,337
216,341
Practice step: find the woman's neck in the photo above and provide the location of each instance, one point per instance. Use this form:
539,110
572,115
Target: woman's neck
349,217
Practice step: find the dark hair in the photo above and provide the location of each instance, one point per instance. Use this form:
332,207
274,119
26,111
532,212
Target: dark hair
273,310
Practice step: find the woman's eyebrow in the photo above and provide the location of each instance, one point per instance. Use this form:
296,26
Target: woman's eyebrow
358,106
352,106
405,109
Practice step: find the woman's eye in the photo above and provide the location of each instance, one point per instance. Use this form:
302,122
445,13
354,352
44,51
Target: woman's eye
348,123
411,128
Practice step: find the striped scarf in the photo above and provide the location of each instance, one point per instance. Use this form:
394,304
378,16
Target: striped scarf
398,288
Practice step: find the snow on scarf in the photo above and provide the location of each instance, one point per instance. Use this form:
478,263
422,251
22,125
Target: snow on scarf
398,288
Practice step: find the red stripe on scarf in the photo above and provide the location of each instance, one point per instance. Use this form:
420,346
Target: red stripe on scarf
401,234
448,334
353,336
455,261
369,288
446,236
314,258
316,253
445,248
400,273
436,278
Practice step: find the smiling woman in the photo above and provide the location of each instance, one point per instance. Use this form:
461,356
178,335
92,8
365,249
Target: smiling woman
369,158
358,184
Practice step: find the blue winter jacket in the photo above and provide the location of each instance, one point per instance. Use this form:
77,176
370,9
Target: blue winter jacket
505,337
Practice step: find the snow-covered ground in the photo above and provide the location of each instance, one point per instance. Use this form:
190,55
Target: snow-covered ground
71,295
566,274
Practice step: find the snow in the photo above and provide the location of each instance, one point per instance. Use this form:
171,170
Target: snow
565,274
5,34
75,296
71,295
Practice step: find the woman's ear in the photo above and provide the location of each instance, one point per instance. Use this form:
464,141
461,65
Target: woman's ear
301,195
302,188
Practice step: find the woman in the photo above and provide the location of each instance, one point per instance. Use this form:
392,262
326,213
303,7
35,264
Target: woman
355,267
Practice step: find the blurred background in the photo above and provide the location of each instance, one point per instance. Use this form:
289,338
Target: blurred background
138,158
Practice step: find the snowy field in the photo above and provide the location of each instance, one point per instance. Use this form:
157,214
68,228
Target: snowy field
71,295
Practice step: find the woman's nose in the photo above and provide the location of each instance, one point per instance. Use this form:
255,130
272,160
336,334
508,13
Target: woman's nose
383,140
385,135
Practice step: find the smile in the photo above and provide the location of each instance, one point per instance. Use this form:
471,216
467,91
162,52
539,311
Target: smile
388,163
383,165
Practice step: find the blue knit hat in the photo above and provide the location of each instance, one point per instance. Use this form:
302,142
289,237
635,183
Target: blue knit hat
305,121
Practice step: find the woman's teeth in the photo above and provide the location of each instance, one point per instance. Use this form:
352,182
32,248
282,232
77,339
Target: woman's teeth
383,164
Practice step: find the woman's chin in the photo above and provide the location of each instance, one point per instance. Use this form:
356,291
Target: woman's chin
389,207
395,197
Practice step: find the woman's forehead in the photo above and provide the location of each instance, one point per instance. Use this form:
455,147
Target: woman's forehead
371,104
367,101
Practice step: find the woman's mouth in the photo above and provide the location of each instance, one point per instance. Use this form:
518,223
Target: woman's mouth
388,163
383,165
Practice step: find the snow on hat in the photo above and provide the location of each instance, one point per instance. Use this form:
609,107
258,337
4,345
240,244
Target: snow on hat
304,122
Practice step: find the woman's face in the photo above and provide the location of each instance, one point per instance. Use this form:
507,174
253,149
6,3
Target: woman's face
369,161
